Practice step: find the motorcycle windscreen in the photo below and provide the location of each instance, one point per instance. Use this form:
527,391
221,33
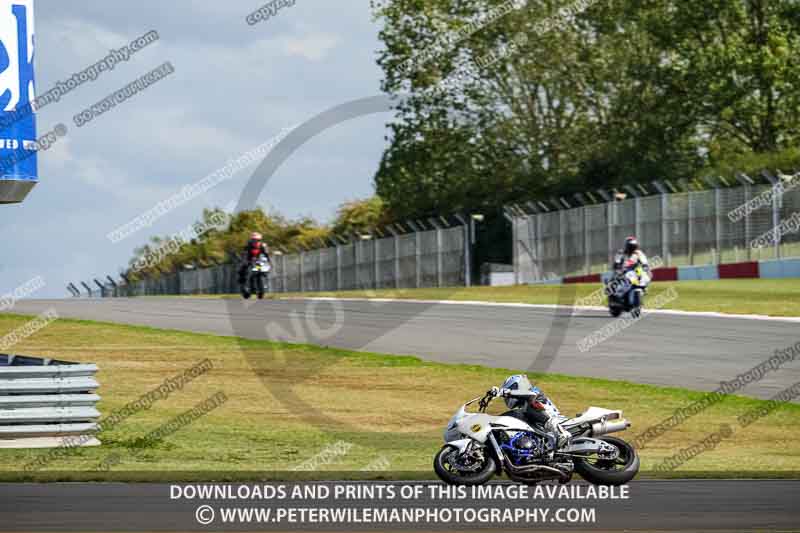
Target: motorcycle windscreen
18,161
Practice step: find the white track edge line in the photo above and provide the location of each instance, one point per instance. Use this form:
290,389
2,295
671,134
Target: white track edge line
677,312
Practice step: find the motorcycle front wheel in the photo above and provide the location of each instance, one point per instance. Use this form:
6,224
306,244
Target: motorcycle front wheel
610,472
444,464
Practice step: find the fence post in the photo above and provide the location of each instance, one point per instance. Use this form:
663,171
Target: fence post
562,240
515,246
586,241
302,271
396,242
338,267
747,223
439,266
466,224
284,274
540,246
356,246
115,287
375,269
319,270
102,289
610,217
718,225
418,257
776,221
690,226
665,255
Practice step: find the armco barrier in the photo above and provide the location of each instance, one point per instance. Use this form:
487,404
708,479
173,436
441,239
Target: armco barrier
46,403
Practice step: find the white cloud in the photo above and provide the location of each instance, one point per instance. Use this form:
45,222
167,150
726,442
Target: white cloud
313,47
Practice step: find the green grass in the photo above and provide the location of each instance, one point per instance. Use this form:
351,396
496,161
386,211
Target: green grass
774,297
389,409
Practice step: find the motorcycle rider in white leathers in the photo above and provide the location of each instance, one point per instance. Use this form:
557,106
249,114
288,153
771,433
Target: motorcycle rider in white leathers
531,405
630,258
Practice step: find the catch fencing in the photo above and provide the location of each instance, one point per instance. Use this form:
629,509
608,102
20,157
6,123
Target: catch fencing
432,258
43,402
685,228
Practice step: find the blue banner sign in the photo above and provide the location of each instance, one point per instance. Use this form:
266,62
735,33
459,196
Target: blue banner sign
18,165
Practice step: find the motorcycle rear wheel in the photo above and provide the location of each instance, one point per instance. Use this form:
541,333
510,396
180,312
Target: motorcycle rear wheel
610,472
450,475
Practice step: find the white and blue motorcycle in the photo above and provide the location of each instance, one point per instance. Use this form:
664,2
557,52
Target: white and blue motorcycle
479,446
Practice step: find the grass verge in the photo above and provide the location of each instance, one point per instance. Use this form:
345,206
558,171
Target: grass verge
385,412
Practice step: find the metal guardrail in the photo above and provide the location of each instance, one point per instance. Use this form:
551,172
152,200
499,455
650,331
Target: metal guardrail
44,401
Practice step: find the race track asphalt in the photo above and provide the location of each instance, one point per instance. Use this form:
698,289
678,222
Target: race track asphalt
695,352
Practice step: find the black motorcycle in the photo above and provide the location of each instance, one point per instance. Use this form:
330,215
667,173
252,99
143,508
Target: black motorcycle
253,278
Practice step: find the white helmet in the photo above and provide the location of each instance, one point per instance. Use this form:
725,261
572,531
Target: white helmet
517,382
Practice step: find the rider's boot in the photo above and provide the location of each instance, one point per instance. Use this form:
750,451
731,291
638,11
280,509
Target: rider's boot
562,435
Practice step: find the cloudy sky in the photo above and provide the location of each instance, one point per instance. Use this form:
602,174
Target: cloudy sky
235,86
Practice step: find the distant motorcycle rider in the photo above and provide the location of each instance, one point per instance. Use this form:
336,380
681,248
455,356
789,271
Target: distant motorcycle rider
254,250
529,404
630,257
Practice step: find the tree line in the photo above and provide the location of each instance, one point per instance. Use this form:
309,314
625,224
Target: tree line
557,97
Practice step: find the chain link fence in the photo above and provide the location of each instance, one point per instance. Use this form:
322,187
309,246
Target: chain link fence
688,228
433,258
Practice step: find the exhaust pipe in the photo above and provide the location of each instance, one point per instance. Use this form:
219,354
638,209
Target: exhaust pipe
605,427
521,471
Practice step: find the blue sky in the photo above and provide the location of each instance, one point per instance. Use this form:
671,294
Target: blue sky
234,87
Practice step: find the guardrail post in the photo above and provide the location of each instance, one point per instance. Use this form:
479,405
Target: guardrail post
88,289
